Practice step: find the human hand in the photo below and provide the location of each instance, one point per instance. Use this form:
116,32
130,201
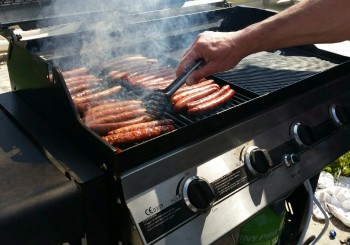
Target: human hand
220,50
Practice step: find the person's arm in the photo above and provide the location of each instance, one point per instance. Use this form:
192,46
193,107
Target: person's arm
308,22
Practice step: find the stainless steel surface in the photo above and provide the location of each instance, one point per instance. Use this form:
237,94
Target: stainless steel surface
219,157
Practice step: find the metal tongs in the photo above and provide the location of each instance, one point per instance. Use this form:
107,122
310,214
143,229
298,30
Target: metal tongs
157,102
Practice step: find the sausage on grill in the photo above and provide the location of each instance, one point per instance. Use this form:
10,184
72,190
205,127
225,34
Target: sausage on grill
76,83
110,111
103,128
179,96
138,135
85,92
142,125
85,106
78,78
83,86
118,75
223,90
104,105
99,95
121,116
181,104
75,72
212,104
189,87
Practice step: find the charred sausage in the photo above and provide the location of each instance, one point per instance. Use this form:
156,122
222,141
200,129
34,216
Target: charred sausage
142,125
223,90
99,95
181,104
75,72
127,115
138,135
209,105
84,82
200,84
90,105
179,96
85,92
81,87
78,78
105,105
103,128
110,111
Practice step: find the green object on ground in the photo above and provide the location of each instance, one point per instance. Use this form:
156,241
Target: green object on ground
264,228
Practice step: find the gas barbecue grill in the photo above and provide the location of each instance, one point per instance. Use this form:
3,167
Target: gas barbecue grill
288,120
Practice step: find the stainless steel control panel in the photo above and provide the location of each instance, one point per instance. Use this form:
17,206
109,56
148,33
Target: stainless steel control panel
197,194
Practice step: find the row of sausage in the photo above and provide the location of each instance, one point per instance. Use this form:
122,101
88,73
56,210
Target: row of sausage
119,120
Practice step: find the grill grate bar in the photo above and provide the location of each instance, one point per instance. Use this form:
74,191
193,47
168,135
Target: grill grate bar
269,71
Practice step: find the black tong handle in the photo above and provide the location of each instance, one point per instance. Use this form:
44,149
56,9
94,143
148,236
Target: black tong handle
180,80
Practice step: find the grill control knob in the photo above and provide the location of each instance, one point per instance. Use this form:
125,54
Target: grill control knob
198,194
340,114
258,161
302,134
291,159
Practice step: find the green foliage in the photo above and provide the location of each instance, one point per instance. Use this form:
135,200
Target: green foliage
340,167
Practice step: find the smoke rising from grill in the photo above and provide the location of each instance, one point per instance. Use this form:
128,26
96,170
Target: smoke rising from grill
100,30
96,36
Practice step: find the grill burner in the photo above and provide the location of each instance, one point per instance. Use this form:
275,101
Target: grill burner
277,114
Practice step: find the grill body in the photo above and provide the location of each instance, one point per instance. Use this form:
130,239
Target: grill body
278,93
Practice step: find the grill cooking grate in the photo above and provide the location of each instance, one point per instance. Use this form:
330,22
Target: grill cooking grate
266,72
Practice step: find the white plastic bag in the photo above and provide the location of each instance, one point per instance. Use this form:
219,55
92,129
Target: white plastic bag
334,198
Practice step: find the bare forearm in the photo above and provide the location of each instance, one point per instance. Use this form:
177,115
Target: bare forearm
310,21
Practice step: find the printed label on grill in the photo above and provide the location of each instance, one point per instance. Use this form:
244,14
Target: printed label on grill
230,182
165,220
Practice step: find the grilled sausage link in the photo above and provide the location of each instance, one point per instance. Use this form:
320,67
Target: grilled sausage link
78,79
105,105
75,72
83,86
99,95
104,128
223,90
82,82
138,135
212,104
141,125
121,116
110,111
189,87
85,92
83,108
179,96
181,104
